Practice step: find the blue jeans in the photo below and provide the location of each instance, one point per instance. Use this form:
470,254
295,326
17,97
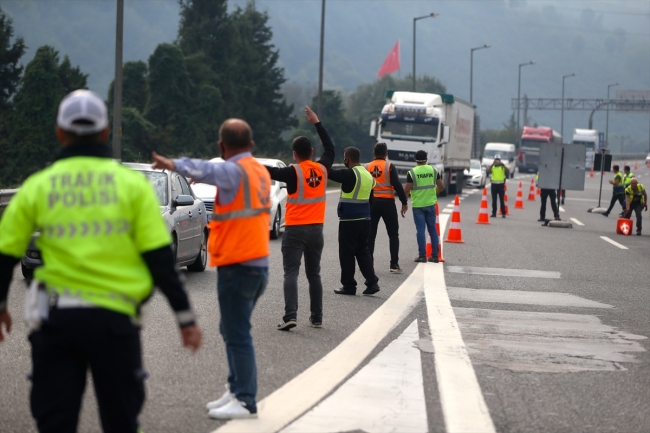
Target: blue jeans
426,217
239,287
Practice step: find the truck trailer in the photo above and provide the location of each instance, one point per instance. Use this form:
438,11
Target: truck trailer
441,125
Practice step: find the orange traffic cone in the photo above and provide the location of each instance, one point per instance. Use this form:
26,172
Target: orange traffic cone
505,200
455,234
483,217
440,259
531,192
636,165
591,172
539,191
519,203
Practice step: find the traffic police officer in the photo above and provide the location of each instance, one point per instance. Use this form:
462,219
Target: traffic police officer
104,247
424,183
383,205
618,193
239,248
499,174
354,223
627,176
636,199
306,188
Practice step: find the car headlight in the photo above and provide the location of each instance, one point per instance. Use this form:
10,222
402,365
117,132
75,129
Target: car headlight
476,176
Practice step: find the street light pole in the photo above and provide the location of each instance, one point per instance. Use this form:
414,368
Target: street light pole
519,90
117,88
607,119
562,120
471,69
320,65
431,15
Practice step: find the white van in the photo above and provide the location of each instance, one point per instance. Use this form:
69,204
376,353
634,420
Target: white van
507,153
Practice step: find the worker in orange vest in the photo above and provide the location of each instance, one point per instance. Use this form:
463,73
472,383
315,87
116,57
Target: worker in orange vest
383,206
239,248
306,187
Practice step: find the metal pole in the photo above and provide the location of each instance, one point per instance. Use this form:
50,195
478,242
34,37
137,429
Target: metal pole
559,191
320,66
519,90
562,121
117,88
414,21
607,118
471,70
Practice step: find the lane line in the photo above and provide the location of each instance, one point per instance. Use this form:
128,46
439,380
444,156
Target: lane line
562,209
308,388
616,244
576,221
447,210
473,270
450,205
463,405
522,297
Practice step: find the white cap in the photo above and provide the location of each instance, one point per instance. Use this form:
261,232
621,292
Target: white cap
497,156
82,112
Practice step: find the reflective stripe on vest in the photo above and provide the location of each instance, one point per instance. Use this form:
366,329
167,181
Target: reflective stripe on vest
357,195
248,210
307,204
383,188
634,195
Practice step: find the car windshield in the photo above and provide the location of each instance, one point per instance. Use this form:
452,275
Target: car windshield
505,156
473,164
158,180
410,131
531,144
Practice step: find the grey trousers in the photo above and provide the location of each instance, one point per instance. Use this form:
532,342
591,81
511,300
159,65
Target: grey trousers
297,241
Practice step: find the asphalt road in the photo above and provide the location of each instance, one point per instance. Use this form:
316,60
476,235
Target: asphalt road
563,350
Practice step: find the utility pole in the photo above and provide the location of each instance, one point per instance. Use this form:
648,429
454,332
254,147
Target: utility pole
117,86
320,66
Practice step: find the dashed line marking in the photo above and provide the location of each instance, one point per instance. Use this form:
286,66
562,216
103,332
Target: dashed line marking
504,272
447,210
616,244
576,221
562,209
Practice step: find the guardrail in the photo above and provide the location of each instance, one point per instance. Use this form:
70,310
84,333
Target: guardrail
5,197
629,156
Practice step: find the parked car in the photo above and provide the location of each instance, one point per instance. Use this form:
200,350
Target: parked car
207,193
184,213
476,174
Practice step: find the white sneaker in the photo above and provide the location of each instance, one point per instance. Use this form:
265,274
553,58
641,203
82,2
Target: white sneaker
222,401
234,409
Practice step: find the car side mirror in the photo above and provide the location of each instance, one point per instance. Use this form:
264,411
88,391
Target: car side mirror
184,200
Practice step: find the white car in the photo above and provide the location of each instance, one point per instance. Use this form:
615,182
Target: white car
476,174
647,160
207,193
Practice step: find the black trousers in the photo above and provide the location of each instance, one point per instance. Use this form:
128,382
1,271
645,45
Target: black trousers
73,341
498,189
353,244
548,193
616,197
385,208
637,208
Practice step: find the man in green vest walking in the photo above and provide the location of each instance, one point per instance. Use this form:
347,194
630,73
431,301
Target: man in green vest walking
618,192
423,183
499,174
354,223
104,246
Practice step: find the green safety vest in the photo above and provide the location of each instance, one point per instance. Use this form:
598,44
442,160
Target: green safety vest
498,173
423,192
627,178
620,188
95,217
639,193
362,187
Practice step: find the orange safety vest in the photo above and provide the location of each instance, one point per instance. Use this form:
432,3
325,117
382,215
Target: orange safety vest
380,171
307,204
239,231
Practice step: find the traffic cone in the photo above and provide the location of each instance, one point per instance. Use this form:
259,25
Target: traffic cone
636,165
519,203
483,217
531,192
505,199
440,259
455,234
591,172
539,191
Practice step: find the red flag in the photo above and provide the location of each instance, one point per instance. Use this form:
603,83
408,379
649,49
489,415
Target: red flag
391,64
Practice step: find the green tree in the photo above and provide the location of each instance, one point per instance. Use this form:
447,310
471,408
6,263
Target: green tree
137,144
10,55
134,86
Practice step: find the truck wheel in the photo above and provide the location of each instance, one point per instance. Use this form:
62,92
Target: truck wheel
459,182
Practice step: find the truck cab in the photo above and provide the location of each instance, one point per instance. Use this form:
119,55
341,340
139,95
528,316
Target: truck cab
588,137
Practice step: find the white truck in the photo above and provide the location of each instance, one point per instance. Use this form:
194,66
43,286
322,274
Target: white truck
588,137
441,125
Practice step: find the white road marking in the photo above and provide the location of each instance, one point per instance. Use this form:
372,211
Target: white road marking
522,297
389,389
332,191
450,205
576,221
472,270
616,244
447,210
462,402
305,390
562,209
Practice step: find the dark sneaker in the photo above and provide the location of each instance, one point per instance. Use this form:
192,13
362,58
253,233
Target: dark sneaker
638,232
344,291
558,219
605,214
285,326
420,259
315,322
493,215
503,216
395,269
371,290
433,259
542,219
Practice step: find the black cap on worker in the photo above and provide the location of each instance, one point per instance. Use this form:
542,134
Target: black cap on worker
420,156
